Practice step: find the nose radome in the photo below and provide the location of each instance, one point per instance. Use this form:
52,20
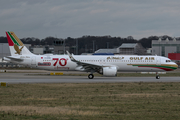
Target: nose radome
175,65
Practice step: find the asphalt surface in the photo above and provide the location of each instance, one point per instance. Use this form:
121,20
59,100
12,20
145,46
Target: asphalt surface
45,78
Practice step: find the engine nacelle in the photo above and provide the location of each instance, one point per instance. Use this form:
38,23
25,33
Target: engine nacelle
109,71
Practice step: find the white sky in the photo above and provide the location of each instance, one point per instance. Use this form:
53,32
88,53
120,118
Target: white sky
76,18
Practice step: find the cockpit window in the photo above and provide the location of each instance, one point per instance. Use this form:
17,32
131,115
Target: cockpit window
168,60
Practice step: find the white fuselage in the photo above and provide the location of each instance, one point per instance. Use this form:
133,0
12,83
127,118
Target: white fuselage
127,63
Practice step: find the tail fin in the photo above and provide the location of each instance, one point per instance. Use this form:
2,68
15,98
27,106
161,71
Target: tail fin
16,46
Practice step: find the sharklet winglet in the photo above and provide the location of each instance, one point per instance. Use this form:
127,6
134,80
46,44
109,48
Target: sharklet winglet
70,56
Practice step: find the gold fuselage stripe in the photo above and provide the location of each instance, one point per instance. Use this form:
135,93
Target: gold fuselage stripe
169,65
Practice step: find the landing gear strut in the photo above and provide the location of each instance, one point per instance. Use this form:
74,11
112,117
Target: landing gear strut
90,76
157,76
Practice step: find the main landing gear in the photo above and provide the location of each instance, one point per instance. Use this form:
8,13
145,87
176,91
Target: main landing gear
157,75
90,76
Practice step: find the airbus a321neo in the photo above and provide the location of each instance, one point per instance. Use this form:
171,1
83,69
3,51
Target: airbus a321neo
105,65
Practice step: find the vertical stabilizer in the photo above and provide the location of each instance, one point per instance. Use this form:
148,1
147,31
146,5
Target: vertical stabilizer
15,45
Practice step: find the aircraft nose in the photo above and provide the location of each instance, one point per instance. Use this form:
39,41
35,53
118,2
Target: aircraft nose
176,66
172,66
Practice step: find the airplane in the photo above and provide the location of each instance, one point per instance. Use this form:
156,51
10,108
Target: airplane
102,64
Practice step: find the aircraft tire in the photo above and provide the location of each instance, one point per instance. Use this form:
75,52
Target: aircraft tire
90,76
157,77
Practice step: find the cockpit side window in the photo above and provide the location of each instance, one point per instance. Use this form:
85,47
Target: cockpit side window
168,60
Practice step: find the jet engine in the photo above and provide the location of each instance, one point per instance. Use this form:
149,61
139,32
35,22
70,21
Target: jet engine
109,71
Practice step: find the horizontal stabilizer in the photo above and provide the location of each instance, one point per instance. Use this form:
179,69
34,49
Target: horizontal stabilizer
11,58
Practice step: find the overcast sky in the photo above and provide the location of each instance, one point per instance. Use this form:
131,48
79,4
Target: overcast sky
76,18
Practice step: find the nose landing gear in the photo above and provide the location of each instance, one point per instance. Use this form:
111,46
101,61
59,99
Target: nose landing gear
157,75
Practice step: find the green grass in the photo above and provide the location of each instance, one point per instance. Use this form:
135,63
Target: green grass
97,101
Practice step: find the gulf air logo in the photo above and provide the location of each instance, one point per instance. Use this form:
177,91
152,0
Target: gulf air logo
62,61
16,48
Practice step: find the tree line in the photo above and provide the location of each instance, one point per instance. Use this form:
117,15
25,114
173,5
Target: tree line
87,43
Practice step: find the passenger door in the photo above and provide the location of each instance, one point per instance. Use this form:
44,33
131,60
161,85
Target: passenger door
158,60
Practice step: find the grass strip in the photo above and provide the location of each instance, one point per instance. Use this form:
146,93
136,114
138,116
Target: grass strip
97,101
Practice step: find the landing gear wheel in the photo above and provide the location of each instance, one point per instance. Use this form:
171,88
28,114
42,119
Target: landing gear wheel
90,76
157,77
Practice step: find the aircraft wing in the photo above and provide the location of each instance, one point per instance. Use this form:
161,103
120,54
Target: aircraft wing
11,58
86,66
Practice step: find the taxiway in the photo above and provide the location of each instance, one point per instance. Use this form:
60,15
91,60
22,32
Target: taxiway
36,78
